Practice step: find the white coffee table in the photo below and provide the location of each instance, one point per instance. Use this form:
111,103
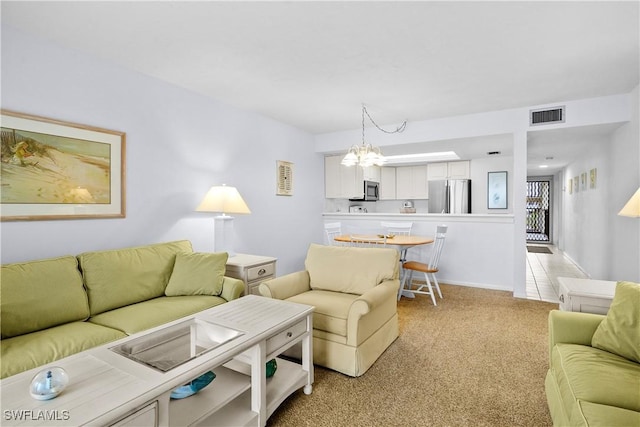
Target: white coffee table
586,295
106,388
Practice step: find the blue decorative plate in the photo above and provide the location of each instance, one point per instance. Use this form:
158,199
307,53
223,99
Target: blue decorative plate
194,386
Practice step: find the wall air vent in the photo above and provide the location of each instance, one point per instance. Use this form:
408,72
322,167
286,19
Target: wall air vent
547,115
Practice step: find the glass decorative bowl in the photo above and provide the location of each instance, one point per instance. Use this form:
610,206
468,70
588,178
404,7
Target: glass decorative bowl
48,383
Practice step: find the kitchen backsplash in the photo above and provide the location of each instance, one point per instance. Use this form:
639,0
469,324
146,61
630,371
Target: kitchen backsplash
381,206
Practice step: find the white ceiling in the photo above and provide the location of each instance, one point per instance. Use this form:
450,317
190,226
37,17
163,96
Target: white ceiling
312,64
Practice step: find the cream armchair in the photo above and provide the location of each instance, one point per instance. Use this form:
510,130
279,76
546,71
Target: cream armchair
354,292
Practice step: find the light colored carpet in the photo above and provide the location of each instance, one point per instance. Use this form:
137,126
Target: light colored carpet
477,359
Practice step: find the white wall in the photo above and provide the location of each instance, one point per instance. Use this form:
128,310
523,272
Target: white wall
593,111
624,253
178,145
606,246
467,258
479,170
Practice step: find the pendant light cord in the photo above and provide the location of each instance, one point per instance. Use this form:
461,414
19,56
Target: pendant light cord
398,129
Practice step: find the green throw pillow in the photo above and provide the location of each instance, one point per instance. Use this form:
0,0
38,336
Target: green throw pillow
197,273
619,332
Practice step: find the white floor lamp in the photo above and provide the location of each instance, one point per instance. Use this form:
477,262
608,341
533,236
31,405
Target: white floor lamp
224,200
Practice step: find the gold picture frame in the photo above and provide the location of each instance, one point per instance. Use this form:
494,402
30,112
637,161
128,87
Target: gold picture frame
52,169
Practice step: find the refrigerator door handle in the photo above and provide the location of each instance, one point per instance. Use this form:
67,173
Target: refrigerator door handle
447,198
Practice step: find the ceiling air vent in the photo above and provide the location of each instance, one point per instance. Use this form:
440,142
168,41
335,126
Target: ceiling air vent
541,117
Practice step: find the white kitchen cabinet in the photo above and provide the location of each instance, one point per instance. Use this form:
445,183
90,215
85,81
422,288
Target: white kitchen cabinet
388,183
411,182
344,182
449,170
459,170
332,186
372,173
339,180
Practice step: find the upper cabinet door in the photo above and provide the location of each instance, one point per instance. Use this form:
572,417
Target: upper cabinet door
459,170
332,187
411,182
436,171
449,170
387,183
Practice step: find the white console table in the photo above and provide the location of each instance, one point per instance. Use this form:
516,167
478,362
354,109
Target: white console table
586,295
108,389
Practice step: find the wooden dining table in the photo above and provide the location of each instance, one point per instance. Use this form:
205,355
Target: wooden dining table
400,242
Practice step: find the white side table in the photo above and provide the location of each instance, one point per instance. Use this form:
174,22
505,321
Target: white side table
586,295
252,270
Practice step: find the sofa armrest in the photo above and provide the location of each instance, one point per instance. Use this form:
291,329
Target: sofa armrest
385,293
572,327
232,288
286,286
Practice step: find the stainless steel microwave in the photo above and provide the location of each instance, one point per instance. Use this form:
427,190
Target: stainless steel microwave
370,192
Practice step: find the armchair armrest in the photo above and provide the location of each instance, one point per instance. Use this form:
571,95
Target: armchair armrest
572,327
383,294
232,288
286,286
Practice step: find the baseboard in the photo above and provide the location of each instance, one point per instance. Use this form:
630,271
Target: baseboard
470,285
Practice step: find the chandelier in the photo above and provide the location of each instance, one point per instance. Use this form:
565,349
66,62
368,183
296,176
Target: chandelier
367,155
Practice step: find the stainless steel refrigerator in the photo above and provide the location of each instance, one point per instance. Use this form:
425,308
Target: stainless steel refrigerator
450,196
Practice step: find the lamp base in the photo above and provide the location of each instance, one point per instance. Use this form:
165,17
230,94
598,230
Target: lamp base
223,234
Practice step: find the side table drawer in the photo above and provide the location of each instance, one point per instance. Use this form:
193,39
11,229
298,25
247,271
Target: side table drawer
288,335
260,271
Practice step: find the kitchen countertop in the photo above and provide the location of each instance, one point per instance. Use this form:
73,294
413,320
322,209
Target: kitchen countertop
422,216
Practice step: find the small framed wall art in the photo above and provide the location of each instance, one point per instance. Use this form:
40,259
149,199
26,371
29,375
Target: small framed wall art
58,170
497,190
284,178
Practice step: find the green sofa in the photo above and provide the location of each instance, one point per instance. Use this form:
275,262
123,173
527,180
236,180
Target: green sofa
52,308
594,372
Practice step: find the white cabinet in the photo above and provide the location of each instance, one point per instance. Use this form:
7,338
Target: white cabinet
344,182
252,270
371,173
411,182
332,177
586,295
339,180
449,170
387,183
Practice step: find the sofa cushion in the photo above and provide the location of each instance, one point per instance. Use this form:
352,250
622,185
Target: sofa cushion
41,294
350,269
197,273
115,278
594,414
147,314
29,351
619,332
588,374
331,309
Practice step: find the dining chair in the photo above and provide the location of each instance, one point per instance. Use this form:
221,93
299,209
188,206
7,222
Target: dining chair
370,241
332,229
430,269
402,228
398,228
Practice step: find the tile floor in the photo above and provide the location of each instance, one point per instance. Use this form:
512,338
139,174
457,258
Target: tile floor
543,271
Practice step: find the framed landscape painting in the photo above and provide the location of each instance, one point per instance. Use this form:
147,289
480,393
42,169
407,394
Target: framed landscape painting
57,170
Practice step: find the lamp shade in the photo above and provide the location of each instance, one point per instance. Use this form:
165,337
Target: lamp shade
632,208
223,199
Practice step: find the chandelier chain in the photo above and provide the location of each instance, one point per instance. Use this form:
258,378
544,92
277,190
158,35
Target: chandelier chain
398,129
